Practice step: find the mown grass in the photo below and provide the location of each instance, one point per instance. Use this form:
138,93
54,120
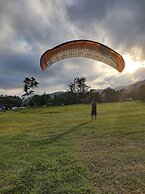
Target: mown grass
62,150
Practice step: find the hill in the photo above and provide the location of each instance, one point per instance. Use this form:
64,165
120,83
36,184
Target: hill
135,86
55,94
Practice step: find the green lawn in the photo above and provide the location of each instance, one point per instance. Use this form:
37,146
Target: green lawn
61,150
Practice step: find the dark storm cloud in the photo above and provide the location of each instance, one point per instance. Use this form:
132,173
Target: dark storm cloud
7,82
14,67
17,62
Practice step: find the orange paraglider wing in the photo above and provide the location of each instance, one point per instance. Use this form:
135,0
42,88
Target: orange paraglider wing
83,48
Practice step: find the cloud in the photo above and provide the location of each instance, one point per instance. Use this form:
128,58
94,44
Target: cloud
28,28
139,74
121,23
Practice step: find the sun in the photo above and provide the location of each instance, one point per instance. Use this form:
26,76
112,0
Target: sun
130,65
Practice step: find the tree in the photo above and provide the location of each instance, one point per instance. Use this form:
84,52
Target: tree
122,95
10,101
29,84
81,85
95,96
78,85
71,87
78,89
109,95
141,93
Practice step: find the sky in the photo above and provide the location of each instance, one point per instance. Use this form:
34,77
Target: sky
29,28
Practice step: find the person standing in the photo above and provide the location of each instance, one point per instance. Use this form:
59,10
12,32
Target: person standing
93,110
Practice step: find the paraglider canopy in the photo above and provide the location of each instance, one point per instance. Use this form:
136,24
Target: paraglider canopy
82,48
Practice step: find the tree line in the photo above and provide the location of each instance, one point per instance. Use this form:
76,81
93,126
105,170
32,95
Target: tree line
77,92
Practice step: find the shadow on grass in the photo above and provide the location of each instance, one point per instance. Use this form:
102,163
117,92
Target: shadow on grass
59,136
73,129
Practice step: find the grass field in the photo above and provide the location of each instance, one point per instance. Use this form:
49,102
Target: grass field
61,150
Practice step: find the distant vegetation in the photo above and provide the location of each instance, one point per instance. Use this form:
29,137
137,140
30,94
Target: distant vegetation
78,92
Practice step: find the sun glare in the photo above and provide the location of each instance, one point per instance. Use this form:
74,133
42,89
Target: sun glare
130,65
